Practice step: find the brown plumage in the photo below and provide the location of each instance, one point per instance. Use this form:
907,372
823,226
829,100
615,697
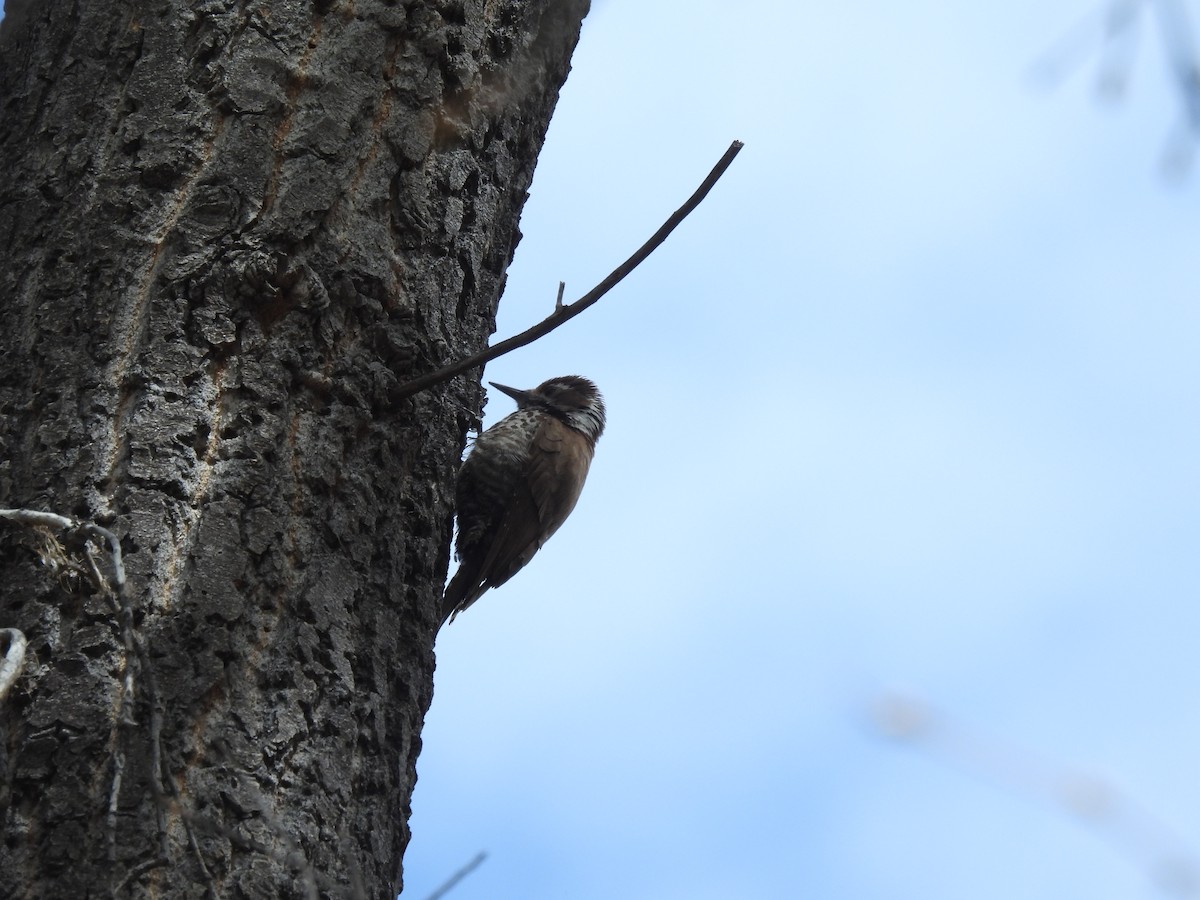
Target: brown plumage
520,482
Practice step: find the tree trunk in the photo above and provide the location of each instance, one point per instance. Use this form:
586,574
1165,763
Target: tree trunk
228,231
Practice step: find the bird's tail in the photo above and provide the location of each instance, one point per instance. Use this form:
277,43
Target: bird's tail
463,590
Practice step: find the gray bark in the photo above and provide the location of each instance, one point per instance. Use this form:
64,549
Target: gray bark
228,231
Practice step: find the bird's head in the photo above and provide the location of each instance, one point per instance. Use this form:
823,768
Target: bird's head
571,398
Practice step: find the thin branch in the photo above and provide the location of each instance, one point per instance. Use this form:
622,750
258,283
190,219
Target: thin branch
291,856
458,876
114,799
188,820
15,655
114,549
158,768
138,871
36,518
14,659
562,313
85,535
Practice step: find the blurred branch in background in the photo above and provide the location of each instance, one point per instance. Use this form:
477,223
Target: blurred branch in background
1114,33
1094,801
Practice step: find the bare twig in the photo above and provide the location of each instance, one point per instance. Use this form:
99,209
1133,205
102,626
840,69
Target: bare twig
562,287
114,549
36,518
113,586
159,771
458,876
114,798
14,659
188,821
137,872
562,313
292,856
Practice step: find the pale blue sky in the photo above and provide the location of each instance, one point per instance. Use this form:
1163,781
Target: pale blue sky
909,402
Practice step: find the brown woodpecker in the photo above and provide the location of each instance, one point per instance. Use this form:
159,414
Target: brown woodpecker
520,482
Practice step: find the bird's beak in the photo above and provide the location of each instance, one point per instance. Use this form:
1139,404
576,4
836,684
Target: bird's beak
522,397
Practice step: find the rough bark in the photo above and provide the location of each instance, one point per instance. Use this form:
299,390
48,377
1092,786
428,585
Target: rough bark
228,231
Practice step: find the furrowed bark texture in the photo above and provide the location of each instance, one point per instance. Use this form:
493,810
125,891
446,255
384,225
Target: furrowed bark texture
228,230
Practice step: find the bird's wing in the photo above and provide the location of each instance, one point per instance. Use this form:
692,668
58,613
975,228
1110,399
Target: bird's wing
555,472
540,503
557,469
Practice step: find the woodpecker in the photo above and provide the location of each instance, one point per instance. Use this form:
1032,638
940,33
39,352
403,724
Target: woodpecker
520,482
